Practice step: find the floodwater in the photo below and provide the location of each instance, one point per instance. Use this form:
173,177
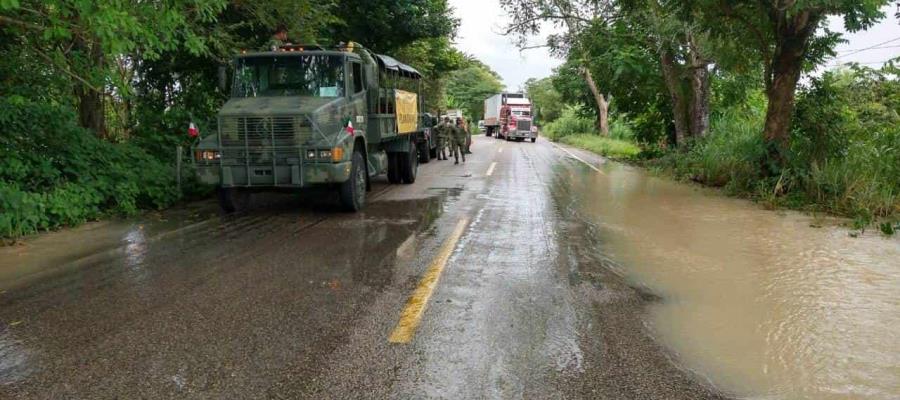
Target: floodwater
760,303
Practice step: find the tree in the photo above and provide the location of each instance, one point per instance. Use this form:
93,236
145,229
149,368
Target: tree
572,15
81,38
468,87
546,100
783,34
435,58
388,25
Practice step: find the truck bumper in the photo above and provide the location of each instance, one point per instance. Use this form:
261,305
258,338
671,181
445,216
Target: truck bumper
522,134
262,176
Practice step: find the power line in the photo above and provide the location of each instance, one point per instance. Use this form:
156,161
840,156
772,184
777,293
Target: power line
870,47
860,63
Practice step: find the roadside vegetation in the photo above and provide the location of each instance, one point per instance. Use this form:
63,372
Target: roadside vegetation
706,92
96,95
579,131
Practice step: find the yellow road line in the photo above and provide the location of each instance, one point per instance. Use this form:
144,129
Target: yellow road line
415,306
491,169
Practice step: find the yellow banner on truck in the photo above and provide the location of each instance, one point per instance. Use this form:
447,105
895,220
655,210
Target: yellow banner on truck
407,111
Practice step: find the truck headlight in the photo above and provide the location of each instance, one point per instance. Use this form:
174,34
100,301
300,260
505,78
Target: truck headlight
325,154
310,154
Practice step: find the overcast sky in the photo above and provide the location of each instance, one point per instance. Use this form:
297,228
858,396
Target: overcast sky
482,20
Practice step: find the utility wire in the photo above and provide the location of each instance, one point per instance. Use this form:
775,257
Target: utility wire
870,47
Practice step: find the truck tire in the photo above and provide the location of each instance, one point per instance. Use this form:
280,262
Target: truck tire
232,199
393,173
424,153
353,190
487,132
409,165
534,139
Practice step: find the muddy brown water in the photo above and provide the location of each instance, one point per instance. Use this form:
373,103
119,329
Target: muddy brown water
758,302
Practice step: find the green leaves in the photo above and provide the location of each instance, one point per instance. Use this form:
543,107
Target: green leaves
8,4
468,87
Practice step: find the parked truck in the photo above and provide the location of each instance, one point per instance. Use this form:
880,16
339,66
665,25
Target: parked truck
305,116
508,115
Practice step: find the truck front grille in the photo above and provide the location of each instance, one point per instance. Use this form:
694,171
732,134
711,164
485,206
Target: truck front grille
261,140
264,131
523,126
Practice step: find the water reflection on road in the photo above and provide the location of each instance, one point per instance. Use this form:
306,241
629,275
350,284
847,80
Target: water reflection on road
759,302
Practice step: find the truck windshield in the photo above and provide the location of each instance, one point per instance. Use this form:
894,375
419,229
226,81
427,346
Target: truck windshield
521,113
294,75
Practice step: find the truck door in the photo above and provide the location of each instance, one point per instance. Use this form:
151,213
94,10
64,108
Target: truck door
357,89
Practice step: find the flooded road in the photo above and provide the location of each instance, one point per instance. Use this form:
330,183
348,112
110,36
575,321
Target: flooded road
523,273
759,302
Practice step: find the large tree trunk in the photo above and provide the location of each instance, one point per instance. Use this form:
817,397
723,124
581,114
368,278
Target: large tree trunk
699,107
91,114
781,81
91,107
672,77
600,100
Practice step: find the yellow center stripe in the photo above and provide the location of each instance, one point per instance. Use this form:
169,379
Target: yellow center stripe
415,306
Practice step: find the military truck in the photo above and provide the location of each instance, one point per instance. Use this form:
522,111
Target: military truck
304,116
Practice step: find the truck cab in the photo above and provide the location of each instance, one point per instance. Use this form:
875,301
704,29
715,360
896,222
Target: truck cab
516,120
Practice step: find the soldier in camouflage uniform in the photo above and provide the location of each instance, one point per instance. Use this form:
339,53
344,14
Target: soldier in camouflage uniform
443,131
280,38
458,141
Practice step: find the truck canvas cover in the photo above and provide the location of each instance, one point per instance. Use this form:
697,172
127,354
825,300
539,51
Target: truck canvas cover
388,62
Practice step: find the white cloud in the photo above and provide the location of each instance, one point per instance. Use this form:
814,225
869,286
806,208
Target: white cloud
479,35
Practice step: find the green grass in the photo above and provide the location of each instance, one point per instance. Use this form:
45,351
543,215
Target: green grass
612,148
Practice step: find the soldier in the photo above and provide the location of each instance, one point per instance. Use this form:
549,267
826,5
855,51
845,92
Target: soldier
465,126
280,38
458,142
443,131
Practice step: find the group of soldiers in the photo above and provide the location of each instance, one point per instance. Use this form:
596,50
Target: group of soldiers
454,137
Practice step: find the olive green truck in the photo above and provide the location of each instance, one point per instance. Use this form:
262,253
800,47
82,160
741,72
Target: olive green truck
305,116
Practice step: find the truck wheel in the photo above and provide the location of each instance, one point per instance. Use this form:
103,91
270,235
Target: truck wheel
232,199
424,154
393,167
409,165
353,191
534,139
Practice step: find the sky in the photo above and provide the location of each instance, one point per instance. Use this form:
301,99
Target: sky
482,20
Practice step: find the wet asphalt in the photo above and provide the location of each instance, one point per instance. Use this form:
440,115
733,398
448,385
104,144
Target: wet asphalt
295,299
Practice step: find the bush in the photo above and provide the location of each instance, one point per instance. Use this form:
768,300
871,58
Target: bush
731,154
612,148
54,173
844,156
569,123
620,129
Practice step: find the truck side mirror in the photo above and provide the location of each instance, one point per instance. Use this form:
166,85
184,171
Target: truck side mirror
223,78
